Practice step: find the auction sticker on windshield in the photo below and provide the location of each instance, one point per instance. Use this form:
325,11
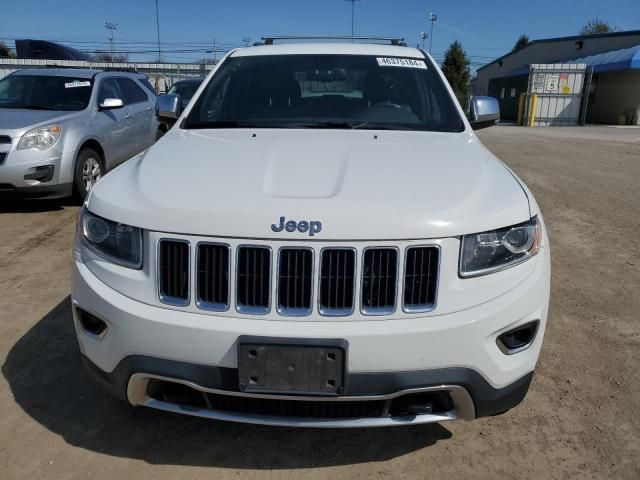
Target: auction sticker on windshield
401,62
77,83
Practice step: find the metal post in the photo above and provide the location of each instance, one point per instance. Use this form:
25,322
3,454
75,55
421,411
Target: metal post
353,14
585,95
521,103
433,17
532,109
423,36
158,32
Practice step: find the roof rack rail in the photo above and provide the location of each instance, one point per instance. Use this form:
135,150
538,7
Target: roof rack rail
391,40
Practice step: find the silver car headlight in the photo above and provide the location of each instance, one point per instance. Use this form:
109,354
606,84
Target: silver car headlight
488,252
115,242
40,138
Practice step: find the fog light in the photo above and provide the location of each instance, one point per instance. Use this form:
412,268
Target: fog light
90,323
42,174
518,339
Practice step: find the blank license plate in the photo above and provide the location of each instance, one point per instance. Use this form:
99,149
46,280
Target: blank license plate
296,369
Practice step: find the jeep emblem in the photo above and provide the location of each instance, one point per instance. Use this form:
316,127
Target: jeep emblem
303,226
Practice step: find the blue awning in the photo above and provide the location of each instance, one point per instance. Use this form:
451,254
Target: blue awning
624,59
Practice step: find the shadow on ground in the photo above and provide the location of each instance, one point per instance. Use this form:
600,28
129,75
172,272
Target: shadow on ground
14,204
47,380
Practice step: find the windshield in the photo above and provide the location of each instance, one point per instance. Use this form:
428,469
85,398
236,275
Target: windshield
185,90
326,91
40,92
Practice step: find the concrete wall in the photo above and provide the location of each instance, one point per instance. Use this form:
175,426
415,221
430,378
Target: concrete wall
549,52
616,94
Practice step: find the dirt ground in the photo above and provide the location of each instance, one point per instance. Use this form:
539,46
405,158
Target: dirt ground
581,418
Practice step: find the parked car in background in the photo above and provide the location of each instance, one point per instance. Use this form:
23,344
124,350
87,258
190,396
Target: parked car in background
186,89
62,129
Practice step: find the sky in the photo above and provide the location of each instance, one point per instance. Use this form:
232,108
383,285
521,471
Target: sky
188,28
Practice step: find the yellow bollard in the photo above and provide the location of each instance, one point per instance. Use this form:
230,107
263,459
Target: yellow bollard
532,109
521,103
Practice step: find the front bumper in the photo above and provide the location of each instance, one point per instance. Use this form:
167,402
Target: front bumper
455,353
19,171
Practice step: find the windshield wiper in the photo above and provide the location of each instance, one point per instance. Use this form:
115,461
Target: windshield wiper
38,107
329,124
227,124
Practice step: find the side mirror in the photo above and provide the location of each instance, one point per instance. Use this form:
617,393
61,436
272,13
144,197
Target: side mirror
111,104
169,106
483,112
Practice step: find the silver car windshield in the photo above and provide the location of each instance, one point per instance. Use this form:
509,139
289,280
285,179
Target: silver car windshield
326,91
41,92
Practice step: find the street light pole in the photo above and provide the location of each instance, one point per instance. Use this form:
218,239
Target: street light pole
353,14
158,32
433,17
423,36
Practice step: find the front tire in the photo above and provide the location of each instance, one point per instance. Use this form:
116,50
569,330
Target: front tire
88,170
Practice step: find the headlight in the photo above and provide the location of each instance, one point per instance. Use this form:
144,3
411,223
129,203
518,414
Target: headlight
488,252
116,242
40,138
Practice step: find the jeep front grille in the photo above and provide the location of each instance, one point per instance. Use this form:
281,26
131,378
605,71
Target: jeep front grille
3,157
334,281
253,282
5,140
295,281
212,267
379,279
173,272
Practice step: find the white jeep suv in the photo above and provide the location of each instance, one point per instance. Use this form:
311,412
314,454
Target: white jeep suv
321,240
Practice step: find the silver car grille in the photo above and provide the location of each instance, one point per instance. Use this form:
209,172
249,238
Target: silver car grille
305,278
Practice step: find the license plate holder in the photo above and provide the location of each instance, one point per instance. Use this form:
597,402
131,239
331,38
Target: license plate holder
300,369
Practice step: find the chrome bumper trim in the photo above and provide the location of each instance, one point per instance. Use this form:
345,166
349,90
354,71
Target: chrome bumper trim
463,406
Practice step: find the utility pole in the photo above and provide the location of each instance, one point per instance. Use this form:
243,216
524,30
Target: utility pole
353,14
433,17
158,32
112,27
423,36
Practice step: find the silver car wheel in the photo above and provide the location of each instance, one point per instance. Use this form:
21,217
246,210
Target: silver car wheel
91,173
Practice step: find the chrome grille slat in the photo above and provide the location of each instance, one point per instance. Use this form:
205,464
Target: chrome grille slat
295,281
379,280
173,272
212,269
421,271
253,292
337,281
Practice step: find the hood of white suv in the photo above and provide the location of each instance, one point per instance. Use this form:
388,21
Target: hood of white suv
360,184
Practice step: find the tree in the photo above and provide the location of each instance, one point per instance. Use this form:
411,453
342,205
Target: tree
456,68
5,51
522,42
596,26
